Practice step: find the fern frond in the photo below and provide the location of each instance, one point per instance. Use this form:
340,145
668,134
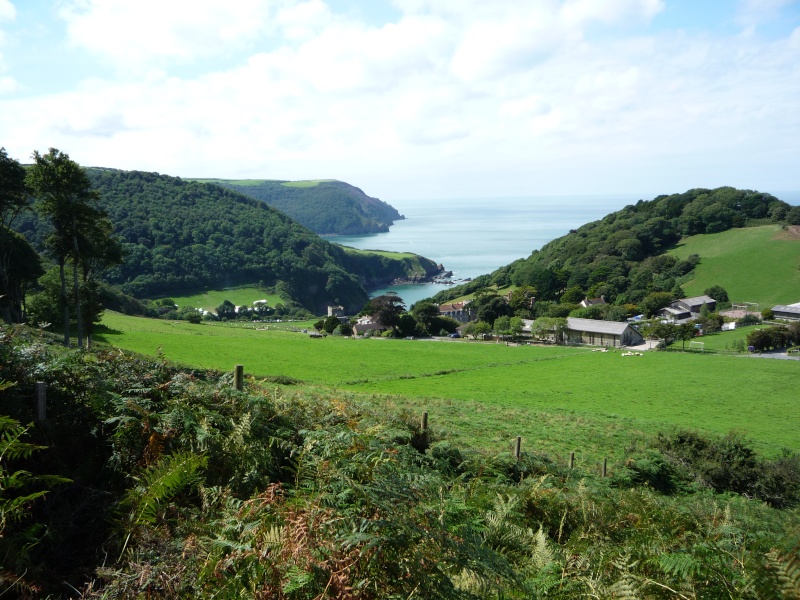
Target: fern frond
787,572
161,482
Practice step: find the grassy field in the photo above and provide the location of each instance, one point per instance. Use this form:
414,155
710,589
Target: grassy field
755,264
560,399
386,253
211,299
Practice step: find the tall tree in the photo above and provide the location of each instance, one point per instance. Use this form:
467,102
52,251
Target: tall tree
386,309
66,199
19,263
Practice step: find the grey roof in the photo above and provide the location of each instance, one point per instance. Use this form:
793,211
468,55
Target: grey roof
674,311
697,300
595,326
791,308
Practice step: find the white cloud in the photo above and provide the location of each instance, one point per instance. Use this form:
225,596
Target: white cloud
8,84
453,95
7,11
131,34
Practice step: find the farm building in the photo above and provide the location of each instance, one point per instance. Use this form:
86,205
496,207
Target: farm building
790,312
675,313
601,333
694,305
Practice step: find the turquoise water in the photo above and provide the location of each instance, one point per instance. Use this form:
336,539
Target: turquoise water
475,236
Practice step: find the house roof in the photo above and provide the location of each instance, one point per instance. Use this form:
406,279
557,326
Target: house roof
697,300
596,326
451,307
586,302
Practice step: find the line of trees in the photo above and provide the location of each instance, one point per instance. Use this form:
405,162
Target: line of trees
79,235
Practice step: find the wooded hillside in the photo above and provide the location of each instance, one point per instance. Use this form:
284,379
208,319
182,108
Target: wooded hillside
182,235
325,207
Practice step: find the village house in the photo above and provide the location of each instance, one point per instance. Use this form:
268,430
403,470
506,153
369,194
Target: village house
367,323
456,310
789,312
601,333
587,302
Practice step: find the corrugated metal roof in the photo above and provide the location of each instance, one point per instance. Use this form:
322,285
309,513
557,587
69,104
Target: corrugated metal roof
595,326
697,300
791,308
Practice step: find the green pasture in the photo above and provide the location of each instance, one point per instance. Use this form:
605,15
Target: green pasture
386,253
303,184
753,264
560,399
211,299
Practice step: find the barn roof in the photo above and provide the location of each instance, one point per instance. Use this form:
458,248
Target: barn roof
791,308
697,300
596,326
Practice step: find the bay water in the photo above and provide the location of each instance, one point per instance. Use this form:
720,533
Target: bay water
475,236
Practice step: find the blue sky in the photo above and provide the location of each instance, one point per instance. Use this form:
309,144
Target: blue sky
413,98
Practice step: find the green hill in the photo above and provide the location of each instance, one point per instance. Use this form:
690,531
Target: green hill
623,256
182,235
755,264
325,206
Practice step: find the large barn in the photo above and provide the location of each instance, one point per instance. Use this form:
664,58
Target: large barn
601,333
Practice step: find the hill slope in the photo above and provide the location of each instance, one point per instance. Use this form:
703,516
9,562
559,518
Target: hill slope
183,235
756,264
324,206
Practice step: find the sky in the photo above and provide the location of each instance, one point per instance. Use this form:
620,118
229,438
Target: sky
413,99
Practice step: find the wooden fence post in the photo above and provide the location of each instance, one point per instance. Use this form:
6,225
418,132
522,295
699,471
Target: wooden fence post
425,421
571,461
238,377
605,467
41,401
518,448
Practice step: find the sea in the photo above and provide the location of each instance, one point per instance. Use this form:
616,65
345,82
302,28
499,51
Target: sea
475,236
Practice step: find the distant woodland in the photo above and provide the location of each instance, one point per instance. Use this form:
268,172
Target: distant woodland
325,207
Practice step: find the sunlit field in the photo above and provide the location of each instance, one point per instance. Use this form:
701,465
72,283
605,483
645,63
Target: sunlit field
560,399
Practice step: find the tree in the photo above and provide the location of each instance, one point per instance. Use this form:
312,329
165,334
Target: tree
330,324
226,310
685,333
793,215
481,329
386,309
19,263
65,198
717,292
654,302
502,325
545,327
666,332
425,312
